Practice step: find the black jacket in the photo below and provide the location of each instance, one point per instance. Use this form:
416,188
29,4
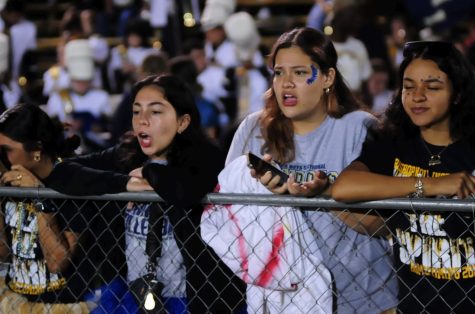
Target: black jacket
211,285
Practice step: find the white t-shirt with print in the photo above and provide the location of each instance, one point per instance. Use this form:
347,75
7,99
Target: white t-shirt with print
361,266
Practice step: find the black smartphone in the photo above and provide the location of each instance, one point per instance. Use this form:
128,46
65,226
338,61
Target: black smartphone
261,167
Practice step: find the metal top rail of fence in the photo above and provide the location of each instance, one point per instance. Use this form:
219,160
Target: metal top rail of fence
437,204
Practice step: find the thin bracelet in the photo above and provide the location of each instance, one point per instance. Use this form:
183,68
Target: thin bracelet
419,185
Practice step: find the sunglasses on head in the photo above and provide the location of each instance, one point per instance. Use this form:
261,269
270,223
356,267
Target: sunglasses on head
439,48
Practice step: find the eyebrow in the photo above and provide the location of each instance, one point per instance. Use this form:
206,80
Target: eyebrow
429,80
155,103
433,80
293,67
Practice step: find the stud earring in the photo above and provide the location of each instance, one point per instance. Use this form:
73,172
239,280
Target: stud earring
326,90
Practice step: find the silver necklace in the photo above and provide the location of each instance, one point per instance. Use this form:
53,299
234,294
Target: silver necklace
434,159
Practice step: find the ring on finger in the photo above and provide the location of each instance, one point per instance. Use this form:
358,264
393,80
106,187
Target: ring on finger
18,177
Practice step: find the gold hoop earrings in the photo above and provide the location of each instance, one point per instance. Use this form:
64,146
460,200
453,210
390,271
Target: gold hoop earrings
37,157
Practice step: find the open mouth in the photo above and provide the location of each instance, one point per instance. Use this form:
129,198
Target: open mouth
289,100
144,139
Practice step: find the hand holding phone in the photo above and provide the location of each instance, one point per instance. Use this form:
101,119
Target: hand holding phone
261,167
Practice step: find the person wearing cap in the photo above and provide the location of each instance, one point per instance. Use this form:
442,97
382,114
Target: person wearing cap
218,48
10,92
81,105
249,79
250,76
56,78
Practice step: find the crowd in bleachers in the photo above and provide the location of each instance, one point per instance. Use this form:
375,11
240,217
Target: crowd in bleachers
221,37
153,94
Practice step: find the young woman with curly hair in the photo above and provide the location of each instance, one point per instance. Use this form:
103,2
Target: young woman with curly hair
424,148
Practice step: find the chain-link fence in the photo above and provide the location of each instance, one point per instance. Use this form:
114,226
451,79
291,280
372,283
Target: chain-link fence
262,254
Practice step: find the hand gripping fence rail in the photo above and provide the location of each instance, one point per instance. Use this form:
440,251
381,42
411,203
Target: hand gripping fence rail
247,253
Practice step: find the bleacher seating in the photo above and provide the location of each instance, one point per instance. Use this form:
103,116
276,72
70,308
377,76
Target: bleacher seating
47,14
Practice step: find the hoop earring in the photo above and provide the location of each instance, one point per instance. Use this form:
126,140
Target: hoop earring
37,157
326,90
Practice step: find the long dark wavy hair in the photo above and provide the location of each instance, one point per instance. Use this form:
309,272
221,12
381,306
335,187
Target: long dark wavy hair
277,129
398,125
181,98
30,125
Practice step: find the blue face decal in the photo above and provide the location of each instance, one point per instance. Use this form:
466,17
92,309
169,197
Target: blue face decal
313,78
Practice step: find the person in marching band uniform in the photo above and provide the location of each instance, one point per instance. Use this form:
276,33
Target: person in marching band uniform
82,106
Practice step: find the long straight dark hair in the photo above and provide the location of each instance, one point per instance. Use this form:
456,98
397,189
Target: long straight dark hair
181,98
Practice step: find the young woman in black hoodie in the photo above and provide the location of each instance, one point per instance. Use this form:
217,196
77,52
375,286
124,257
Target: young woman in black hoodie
169,153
